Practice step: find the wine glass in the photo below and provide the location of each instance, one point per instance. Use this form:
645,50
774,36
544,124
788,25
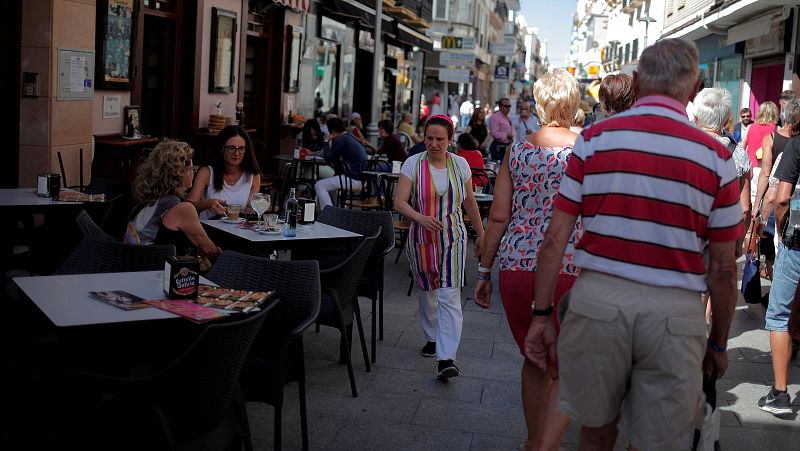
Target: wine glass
260,203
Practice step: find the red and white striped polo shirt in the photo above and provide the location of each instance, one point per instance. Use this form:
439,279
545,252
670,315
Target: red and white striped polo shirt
651,188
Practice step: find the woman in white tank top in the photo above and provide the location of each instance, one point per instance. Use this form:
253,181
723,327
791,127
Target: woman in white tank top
233,176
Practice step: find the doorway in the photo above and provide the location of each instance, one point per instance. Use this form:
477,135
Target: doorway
9,97
158,76
766,83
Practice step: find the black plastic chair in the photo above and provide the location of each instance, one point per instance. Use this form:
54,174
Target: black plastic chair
195,401
370,285
118,215
368,196
340,304
97,255
89,228
276,357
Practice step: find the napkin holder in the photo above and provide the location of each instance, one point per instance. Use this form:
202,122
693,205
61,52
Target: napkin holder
48,185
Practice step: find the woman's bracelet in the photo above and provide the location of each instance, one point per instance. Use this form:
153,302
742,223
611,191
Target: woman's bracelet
715,347
482,269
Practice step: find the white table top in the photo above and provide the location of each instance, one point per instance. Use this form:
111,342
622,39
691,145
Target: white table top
318,231
65,299
25,197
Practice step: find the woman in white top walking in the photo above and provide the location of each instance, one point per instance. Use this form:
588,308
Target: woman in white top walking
233,176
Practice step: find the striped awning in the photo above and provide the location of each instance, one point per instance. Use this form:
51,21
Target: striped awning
298,5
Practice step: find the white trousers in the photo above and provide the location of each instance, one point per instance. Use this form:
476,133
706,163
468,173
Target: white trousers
441,318
323,187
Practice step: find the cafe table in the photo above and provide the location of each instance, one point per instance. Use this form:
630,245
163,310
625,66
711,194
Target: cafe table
65,299
27,199
246,240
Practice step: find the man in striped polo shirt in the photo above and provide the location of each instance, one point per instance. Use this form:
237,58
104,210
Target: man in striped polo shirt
651,190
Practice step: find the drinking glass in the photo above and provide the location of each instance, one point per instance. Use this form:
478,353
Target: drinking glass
478,189
260,203
272,221
232,211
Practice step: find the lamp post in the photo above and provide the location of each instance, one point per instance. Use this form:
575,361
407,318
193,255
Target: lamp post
647,21
377,78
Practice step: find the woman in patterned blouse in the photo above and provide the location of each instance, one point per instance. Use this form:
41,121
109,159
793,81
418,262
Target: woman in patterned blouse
526,186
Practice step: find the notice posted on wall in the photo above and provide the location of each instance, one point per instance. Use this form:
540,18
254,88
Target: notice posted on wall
111,106
79,80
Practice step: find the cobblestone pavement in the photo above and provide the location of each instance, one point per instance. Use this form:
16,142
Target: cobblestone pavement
401,406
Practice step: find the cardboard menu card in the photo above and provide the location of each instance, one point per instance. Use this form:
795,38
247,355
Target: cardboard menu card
187,309
120,299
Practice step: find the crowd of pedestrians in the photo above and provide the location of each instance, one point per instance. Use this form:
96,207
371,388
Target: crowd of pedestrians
609,239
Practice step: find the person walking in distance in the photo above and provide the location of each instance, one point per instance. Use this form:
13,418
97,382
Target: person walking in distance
434,187
502,130
651,189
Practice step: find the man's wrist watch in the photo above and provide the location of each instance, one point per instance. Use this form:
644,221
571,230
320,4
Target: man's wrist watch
546,312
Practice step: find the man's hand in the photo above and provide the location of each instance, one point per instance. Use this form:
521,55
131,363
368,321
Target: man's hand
483,293
540,343
430,223
715,361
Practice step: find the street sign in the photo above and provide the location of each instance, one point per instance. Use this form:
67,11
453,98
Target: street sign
456,59
457,43
454,75
505,48
501,72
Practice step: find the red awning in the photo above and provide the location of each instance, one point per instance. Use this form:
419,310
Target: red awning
299,5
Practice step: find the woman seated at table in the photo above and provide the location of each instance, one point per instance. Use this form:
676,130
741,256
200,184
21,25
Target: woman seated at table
162,217
233,176
392,146
312,139
467,147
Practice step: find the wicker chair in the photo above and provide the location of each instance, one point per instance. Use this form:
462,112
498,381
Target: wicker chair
338,308
195,401
89,228
370,285
276,357
97,255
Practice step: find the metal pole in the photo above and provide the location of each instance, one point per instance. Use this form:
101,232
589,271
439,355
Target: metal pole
377,78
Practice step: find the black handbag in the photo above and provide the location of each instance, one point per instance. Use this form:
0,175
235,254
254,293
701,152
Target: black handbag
751,276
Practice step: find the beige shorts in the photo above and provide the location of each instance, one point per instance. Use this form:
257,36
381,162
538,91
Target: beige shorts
632,349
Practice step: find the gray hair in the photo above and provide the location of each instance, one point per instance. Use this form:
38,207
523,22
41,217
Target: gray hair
668,67
791,115
712,107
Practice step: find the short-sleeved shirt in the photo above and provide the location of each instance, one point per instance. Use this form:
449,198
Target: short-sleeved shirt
439,176
789,167
651,188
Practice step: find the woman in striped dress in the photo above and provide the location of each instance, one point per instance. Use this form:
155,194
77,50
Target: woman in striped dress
433,187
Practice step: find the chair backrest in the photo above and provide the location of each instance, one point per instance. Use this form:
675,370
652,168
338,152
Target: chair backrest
485,178
296,283
89,228
119,214
343,278
366,223
405,139
101,211
196,390
97,255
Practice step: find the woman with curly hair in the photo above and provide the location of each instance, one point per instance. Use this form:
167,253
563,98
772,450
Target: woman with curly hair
162,217
232,177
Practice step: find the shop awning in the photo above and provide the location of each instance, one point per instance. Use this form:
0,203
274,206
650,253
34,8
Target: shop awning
756,27
723,17
299,5
353,11
414,38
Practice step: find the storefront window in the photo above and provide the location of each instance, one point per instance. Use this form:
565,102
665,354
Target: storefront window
325,77
729,78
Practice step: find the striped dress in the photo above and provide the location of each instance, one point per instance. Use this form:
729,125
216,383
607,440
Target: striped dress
437,258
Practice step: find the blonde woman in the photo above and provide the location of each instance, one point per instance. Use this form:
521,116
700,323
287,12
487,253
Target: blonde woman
163,217
526,186
766,118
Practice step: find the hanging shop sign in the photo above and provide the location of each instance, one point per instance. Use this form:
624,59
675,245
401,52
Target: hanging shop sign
454,75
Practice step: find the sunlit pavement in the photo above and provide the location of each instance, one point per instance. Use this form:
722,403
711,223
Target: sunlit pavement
401,405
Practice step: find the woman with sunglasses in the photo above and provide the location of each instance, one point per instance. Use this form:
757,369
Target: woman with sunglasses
232,177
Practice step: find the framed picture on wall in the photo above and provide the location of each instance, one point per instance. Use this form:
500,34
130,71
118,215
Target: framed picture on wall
115,42
294,41
133,128
223,46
